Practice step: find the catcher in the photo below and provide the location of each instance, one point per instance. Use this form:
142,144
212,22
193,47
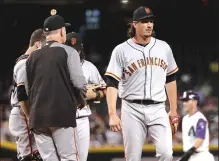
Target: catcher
96,90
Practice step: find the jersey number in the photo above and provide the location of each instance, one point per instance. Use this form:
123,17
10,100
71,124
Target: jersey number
191,131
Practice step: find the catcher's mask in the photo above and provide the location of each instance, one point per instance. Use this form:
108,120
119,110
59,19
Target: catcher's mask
74,40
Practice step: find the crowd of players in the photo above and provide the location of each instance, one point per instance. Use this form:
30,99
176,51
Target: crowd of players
100,132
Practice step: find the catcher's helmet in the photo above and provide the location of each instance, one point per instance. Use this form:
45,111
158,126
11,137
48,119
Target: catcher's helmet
74,40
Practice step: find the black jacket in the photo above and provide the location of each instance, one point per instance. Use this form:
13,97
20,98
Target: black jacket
54,77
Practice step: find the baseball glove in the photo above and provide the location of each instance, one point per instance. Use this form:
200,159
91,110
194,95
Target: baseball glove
96,87
174,120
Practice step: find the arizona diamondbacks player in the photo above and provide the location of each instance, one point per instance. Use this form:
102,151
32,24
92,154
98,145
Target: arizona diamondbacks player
195,130
92,76
18,123
142,68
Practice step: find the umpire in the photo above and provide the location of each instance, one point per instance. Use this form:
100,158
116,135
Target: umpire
54,77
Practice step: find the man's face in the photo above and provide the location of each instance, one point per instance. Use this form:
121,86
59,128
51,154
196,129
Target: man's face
144,28
188,105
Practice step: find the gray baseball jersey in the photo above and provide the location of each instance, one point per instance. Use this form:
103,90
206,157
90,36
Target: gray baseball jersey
193,127
92,76
18,125
20,78
142,70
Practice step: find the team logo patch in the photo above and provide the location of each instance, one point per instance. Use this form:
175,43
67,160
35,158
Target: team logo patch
201,124
147,10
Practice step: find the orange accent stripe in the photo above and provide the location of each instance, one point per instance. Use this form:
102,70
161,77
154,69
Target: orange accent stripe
113,75
75,146
28,130
21,83
173,71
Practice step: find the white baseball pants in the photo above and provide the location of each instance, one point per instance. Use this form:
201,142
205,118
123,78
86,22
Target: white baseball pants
202,156
138,121
83,130
18,127
60,145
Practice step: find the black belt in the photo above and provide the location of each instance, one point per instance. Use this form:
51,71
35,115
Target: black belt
82,117
15,105
144,102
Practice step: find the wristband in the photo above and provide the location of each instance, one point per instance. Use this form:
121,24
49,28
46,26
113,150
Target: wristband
97,98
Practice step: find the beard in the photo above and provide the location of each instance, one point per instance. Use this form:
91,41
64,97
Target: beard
145,36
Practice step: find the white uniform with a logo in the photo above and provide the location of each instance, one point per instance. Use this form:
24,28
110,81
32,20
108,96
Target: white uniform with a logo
141,72
18,125
192,126
92,76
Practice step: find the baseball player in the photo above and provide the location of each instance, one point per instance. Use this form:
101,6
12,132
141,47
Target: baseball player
195,130
18,123
92,76
143,70
56,88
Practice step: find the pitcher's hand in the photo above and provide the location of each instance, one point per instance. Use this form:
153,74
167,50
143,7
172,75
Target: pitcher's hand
115,123
174,121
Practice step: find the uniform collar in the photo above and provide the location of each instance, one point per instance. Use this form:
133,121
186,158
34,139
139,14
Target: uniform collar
140,47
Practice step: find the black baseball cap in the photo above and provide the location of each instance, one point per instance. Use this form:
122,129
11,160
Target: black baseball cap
77,38
142,13
189,95
54,22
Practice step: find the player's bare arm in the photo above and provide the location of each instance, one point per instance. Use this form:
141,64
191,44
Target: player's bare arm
113,75
171,89
111,100
114,120
25,108
111,97
198,142
200,133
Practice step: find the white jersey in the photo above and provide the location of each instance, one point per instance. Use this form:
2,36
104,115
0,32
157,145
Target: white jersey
92,76
20,78
195,126
141,71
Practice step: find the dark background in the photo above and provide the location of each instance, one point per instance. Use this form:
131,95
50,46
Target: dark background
189,26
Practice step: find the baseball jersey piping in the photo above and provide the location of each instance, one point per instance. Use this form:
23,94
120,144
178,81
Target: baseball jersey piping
145,67
112,75
151,67
28,134
173,71
19,84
